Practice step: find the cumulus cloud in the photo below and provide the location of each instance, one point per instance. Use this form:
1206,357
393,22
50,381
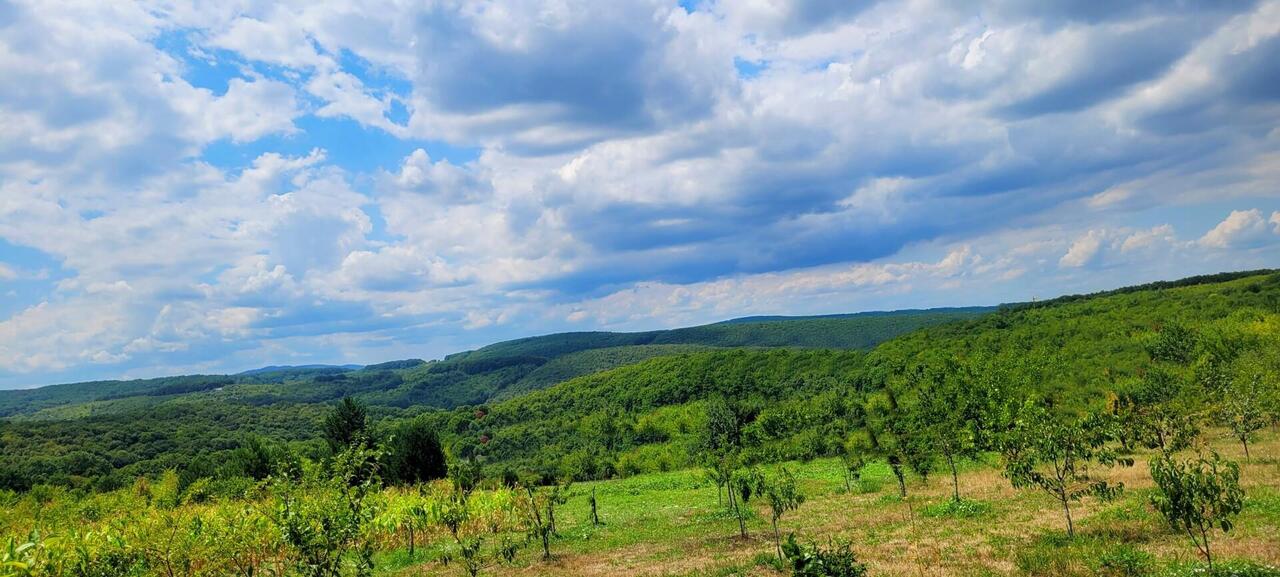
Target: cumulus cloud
149,263
1083,250
1242,228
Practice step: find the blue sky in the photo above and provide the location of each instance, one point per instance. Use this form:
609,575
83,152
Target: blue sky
212,187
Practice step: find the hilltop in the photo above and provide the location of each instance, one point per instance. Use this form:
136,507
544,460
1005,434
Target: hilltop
496,371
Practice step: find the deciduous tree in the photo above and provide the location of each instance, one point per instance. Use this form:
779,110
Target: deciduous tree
1054,453
1198,496
745,484
783,495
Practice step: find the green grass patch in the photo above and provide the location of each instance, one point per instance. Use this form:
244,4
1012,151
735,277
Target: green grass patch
1233,568
961,509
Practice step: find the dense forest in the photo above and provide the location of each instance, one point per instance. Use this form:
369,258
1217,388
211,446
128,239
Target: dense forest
1037,411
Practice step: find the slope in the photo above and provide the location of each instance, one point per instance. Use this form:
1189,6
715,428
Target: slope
647,416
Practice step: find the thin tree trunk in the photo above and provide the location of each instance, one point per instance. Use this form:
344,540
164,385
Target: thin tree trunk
1066,508
777,540
955,477
737,510
411,540
537,523
1244,440
1207,556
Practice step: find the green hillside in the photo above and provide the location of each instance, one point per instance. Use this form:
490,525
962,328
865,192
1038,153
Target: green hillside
850,331
500,370
110,431
1076,350
505,369
580,363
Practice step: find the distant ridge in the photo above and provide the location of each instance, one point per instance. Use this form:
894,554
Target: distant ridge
497,371
277,368
783,318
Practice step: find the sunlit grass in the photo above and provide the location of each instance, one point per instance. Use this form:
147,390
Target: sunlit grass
670,524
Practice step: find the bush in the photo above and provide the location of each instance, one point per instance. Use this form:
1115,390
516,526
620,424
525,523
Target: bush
813,561
1174,343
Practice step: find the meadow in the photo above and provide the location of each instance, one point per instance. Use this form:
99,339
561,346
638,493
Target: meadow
675,524
670,524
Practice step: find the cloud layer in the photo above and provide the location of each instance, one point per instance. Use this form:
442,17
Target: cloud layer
213,187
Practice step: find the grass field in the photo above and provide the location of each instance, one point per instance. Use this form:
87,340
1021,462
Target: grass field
670,524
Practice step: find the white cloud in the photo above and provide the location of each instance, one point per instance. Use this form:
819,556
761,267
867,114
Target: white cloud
266,228
1110,197
1083,250
248,111
272,41
1242,228
820,289
1147,239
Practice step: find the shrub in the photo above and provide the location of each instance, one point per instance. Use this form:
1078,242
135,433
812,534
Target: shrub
813,561
1198,496
1174,343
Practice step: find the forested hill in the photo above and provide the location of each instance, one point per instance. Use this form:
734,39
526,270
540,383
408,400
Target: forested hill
505,369
501,370
845,331
770,318
1076,351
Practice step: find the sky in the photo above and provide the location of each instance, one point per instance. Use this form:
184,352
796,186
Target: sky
211,187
